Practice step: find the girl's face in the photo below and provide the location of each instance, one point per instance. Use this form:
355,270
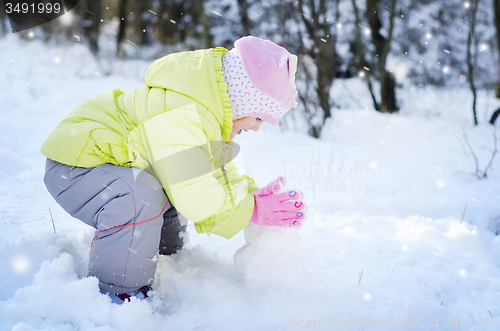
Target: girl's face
245,124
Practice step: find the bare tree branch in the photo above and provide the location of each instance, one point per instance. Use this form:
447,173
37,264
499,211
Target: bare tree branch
493,154
471,152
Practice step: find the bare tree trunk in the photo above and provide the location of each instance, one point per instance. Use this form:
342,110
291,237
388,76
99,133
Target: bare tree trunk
323,53
3,18
3,26
122,16
245,20
387,79
375,24
314,130
382,45
181,22
142,22
360,54
169,13
207,36
496,9
92,22
470,60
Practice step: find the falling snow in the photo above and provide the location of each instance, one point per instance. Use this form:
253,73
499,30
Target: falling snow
398,250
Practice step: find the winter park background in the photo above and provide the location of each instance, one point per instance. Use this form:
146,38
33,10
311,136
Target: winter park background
402,222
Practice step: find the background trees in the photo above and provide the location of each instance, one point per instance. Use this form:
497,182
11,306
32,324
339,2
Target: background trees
385,42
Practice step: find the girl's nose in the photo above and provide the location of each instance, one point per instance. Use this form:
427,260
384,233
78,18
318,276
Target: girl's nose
256,127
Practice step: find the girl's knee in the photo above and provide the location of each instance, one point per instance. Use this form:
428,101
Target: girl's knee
125,202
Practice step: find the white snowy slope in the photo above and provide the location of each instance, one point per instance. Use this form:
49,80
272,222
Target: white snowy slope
386,243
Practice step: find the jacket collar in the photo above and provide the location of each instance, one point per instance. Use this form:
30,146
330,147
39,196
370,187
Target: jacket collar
197,74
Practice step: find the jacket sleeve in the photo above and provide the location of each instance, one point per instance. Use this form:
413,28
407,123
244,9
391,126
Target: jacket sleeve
182,159
228,223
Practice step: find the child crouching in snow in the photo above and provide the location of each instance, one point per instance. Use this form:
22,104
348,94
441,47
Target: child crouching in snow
128,163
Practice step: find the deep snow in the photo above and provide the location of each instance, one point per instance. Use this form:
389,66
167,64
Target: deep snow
386,236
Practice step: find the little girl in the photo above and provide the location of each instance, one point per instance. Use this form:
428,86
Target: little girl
128,163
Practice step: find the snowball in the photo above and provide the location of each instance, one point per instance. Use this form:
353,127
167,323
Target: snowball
272,256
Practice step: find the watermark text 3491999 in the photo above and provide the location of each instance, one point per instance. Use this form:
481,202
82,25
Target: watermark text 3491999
26,14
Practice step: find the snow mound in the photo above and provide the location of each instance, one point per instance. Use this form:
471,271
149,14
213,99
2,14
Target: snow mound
58,297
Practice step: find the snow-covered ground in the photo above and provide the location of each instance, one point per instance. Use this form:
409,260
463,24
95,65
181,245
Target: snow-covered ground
397,231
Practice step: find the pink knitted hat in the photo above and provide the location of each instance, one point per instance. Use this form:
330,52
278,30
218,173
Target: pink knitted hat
261,79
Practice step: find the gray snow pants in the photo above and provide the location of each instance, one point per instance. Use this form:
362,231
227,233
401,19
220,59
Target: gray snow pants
133,222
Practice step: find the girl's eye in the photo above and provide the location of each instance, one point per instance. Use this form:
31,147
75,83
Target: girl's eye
259,119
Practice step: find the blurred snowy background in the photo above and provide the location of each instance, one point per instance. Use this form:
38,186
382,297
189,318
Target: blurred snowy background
394,144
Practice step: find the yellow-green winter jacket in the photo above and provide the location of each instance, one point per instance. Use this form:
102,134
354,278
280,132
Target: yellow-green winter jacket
172,127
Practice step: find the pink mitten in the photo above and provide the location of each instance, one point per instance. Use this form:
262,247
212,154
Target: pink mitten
283,209
274,187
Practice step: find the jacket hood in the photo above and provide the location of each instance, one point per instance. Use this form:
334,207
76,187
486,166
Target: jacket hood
197,74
